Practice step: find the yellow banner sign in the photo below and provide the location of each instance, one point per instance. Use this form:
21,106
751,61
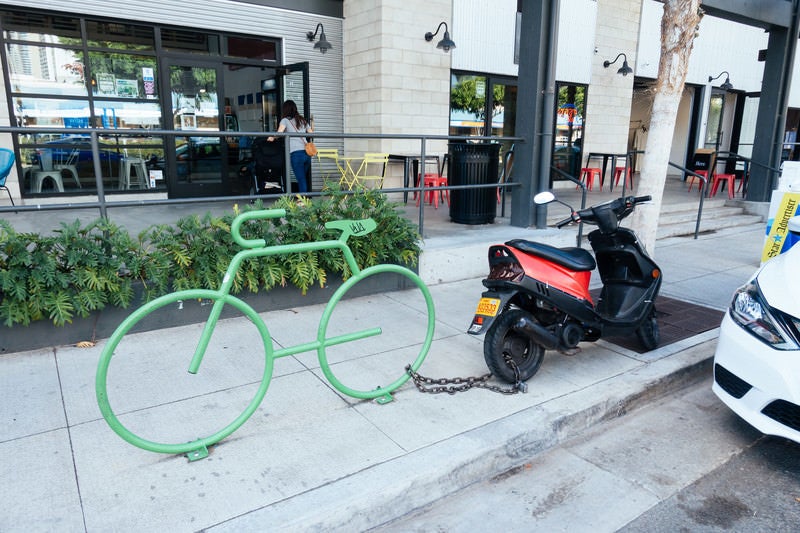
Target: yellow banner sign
780,226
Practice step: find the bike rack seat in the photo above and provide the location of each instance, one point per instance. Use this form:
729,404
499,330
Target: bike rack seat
573,258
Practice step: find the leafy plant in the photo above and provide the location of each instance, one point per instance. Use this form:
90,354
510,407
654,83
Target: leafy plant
74,272
82,269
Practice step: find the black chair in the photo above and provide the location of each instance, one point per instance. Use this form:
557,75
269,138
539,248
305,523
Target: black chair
505,177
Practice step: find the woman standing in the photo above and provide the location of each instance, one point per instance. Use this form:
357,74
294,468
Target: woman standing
293,122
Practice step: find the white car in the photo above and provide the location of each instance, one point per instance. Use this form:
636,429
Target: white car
757,362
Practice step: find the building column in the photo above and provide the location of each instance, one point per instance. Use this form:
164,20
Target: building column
772,106
535,56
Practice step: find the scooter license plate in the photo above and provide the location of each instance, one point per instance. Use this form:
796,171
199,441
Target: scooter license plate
488,307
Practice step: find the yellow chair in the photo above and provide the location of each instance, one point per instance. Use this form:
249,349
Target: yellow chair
367,164
330,153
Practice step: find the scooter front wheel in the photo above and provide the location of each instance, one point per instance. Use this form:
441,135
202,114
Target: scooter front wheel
503,338
648,333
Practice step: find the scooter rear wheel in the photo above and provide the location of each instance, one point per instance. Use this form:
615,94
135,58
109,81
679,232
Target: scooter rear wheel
503,338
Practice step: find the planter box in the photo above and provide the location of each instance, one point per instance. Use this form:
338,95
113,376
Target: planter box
101,324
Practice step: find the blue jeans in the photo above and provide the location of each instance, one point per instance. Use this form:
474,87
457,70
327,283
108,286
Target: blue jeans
301,165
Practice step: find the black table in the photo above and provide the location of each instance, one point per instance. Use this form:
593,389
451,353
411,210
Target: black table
605,157
411,167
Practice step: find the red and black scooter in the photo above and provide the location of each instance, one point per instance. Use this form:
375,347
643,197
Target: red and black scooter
538,295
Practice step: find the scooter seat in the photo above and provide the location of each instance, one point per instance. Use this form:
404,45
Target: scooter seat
573,258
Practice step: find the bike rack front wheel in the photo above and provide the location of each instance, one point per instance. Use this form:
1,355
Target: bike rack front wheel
196,449
382,392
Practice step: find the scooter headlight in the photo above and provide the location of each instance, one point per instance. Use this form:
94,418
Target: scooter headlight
750,310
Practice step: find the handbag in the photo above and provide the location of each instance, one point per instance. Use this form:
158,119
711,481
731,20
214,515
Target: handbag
311,149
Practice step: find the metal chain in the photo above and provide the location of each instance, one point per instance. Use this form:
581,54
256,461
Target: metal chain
454,385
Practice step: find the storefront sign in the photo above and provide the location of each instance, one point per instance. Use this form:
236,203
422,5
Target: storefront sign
106,85
149,82
128,88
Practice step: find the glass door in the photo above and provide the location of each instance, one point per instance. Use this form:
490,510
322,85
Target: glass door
293,85
288,82
196,164
568,130
716,110
503,112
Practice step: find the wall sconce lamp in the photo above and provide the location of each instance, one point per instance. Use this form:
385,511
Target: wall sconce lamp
323,43
446,43
625,69
727,86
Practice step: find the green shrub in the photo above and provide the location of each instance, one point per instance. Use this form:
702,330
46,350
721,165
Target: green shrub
82,269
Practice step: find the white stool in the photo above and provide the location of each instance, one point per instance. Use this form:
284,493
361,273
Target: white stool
72,169
136,165
38,177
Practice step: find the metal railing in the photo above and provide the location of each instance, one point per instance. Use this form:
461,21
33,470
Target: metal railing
722,156
580,184
733,156
102,204
703,192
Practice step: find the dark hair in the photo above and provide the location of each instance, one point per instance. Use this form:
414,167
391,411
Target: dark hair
289,110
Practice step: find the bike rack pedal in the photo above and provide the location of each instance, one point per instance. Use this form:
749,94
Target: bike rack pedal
196,455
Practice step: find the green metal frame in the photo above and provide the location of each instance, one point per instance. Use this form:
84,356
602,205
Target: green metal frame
255,248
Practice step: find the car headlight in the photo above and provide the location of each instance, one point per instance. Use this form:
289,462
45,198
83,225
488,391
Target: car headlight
750,310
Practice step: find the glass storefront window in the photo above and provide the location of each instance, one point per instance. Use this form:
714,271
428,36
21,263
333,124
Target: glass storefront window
568,130
51,112
116,114
467,104
482,105
252,48
190,41
41,28
123,75
45,70
78,73
119,35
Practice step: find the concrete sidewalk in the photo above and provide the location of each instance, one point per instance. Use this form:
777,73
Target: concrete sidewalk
311,458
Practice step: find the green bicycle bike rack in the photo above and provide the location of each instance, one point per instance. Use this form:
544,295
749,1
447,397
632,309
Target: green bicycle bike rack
252,249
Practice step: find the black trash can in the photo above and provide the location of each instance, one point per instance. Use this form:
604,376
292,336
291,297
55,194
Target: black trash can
473,164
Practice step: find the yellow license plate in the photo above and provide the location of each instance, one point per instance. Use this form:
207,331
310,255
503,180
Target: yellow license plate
488,306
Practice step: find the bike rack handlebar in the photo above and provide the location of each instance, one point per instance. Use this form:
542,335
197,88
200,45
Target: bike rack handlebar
253,215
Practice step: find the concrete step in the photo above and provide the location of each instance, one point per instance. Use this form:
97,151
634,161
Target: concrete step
707,224
675,217
691,204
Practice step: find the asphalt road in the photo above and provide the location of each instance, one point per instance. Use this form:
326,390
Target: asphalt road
686,463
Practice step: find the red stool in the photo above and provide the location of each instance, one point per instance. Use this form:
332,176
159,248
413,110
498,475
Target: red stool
618,174
730,179
702,173
742,184
432,197
587,176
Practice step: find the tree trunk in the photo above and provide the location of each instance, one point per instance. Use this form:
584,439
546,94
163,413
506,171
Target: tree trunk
679,26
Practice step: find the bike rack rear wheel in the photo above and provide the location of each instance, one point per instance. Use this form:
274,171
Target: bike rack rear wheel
196,449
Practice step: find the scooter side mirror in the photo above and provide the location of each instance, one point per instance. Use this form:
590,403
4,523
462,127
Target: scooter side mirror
544,197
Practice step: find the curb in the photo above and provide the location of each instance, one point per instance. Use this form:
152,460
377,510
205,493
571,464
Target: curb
390,490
